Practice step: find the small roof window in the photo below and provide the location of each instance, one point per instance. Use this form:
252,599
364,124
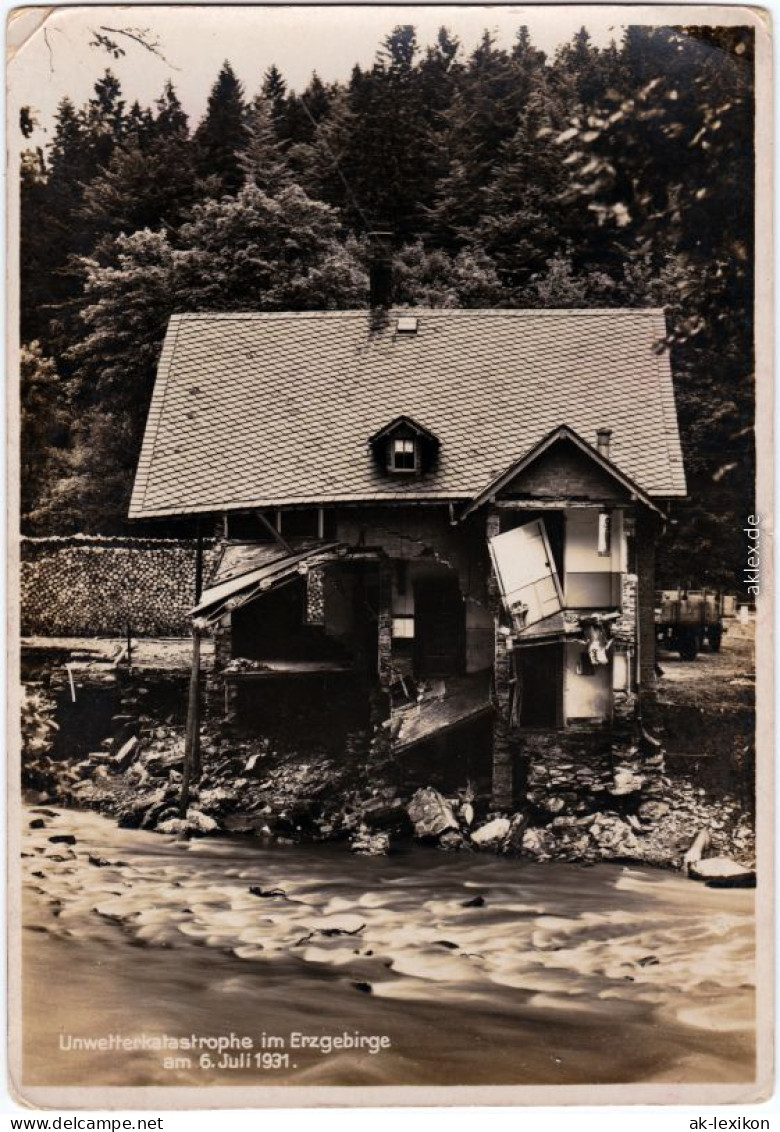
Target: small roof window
404,447
407,324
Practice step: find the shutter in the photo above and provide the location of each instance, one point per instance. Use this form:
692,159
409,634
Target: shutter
526,574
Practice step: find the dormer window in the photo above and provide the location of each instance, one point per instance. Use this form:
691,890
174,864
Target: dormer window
403,455
404,448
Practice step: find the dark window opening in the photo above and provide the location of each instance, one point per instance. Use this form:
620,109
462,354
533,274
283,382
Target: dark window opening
303,523
540,685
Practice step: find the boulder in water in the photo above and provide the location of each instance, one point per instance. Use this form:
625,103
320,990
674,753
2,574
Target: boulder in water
195,824
722,872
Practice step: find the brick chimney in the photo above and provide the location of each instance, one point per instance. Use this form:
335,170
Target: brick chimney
603,437
380,269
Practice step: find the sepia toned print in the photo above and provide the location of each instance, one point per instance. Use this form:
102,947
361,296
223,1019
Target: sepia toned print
391,556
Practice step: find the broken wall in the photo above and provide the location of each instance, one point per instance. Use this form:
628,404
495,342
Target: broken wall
423,534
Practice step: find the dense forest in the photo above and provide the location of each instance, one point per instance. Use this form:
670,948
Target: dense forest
599,177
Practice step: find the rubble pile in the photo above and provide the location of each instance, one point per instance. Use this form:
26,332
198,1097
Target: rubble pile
577,775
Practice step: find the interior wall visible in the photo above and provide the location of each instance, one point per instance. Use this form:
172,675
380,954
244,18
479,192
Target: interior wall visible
591,579
587,688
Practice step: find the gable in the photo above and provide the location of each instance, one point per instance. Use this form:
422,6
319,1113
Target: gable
563,471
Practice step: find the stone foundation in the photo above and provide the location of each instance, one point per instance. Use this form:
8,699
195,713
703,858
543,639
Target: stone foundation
571,773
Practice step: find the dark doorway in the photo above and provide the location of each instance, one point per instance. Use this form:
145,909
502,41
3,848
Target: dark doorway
440,627
540,673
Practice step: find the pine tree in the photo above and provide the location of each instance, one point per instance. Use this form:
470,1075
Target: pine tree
526,219
482,116
150,179
222,135
274,90
263,161
44,423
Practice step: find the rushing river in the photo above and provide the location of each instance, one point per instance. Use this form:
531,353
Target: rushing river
466,969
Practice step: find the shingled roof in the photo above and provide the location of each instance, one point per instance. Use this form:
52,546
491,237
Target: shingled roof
267,410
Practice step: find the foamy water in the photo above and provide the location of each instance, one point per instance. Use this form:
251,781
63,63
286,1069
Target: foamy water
558,973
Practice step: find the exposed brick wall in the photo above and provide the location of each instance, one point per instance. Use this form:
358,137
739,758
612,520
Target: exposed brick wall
565,473
86,586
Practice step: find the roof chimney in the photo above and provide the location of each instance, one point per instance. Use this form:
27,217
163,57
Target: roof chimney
603,437
380,269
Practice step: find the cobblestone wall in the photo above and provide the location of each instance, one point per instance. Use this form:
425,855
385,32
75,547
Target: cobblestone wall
87,586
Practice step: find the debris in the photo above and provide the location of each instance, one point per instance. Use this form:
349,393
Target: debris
266,893
722,872
492,833
452,839
513,842
370,844
126,753
653,811
63,839
626,782
195,823
430,813
699,847
475,902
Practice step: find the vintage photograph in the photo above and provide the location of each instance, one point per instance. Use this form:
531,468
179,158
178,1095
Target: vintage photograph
388,555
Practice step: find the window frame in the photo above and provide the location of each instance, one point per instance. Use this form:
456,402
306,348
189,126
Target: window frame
394,442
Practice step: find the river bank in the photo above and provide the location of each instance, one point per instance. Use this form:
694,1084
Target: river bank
700,782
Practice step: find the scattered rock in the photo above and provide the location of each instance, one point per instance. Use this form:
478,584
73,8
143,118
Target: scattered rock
626,782
538,843
513,842
492,833
430,813
126,753
653,811
722,872
63,839
475,902
195,824
614,837
370,844
452,839
37,823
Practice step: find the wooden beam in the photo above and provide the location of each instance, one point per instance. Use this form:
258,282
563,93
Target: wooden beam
191,768
556,504
198,562
272,530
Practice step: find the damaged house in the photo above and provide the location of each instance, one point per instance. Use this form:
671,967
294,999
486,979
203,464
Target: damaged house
427,520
